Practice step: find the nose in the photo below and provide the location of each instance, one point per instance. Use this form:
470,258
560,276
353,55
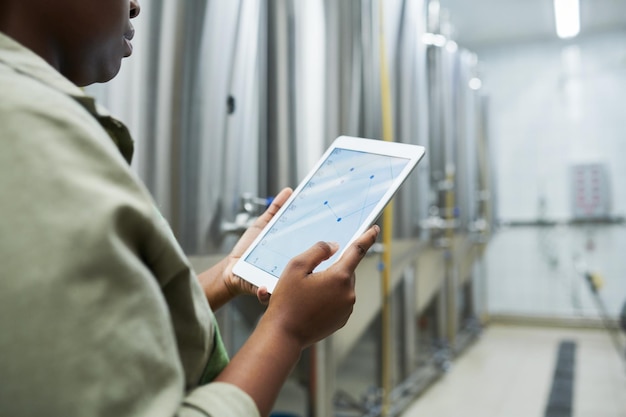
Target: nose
134,8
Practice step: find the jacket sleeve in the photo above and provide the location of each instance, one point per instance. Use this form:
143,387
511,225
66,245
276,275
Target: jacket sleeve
100,313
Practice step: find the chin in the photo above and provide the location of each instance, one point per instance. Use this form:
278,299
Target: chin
109,75
102,73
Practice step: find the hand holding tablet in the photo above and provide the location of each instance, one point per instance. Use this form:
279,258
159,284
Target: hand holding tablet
338,200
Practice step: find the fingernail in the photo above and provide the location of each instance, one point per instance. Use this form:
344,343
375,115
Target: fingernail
334,245
377,228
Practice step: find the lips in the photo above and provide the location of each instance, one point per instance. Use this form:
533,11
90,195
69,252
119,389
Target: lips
128,36
128,48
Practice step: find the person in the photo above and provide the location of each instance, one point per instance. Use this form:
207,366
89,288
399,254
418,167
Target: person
100,311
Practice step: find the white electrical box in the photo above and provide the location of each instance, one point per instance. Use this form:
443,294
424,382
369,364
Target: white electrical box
591,192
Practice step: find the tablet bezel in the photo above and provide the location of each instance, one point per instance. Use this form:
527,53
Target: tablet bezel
413,153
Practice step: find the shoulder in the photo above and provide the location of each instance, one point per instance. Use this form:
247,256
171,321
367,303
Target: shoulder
29,108
59,169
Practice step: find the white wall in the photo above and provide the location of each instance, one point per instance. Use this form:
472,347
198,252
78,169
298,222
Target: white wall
554,104
539,271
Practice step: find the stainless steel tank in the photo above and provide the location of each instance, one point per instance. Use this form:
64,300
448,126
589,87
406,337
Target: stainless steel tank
244,96
412,116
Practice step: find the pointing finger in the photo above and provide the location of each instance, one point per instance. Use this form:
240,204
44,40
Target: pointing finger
359,248
316,254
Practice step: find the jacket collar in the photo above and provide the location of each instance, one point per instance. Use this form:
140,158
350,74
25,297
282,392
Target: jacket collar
24,61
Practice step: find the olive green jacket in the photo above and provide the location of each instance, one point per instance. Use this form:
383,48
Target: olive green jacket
100,311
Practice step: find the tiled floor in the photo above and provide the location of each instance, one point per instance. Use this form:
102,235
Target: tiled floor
508,373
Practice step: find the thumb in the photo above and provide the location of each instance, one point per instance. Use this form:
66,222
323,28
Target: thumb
307,261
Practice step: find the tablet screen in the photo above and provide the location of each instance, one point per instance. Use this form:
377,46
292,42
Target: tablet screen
331,207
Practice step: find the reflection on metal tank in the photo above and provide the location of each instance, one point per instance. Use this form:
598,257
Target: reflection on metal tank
315,79
412,117
230,118
457,131
441,126
324,81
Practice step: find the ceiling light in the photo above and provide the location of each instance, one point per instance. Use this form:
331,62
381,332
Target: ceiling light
567,17
475,83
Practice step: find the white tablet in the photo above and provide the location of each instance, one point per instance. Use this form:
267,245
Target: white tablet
337,201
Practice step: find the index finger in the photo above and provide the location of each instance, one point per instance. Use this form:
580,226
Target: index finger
359,248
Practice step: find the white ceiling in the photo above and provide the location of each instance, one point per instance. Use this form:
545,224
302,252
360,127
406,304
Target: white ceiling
480,23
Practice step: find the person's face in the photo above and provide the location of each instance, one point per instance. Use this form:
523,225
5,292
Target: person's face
90,37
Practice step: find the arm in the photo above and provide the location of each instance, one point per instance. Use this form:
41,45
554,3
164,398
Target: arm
304,308
220,285
215,286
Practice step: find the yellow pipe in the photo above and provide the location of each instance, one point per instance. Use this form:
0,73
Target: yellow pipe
450,217
387,119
